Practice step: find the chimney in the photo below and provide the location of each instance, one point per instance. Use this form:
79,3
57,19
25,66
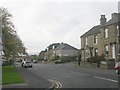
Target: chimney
102,20
114,15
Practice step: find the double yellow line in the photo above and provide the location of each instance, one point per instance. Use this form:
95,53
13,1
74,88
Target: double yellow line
55,84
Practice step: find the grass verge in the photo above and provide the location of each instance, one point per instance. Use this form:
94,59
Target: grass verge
10,75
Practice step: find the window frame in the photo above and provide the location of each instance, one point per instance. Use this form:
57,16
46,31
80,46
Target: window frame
95,39
106,49
106,33
118,31
86,41
96,51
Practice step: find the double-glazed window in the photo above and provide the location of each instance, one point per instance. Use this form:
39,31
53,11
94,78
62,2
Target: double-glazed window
87,53
118,32
106,49
86,41
113,51
106,33
118,48
95,39
96,51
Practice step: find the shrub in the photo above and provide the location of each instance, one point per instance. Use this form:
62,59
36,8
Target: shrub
67,58
96,59
55,58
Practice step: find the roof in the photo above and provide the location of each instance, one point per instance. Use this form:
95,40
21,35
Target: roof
112,21
55,44
65,46
96,29
92,31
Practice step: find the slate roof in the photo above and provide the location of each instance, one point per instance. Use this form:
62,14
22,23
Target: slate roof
112,21
65,46
92,31
96,29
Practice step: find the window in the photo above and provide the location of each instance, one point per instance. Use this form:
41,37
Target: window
95,39
106,33
96,51
106,49
118,48
86,53
113,51
118,32
86,41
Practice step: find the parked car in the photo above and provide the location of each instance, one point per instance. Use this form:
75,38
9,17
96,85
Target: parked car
34,61
117,67
58,61
27,64
4,62
19,60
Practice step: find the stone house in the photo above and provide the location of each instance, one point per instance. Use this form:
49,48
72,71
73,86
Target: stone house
60,50
102,39
42,55
66,50
90,43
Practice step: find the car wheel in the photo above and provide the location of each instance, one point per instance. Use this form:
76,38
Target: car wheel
25,67
118,72
30,66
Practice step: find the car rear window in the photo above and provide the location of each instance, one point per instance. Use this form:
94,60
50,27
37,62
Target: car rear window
28,62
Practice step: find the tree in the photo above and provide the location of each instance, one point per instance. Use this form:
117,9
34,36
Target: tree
12,44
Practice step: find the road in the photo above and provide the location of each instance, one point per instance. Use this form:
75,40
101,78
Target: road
71,76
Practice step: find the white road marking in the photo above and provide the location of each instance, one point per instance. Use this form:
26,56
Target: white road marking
106,79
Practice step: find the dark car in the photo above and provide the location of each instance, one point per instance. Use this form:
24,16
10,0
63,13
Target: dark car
117,68
27,64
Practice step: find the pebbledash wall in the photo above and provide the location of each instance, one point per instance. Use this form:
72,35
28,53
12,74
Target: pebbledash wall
102,39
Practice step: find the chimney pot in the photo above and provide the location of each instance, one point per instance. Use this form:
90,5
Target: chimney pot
102,20
114,15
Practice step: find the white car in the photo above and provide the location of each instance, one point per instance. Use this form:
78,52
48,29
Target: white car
34,61
27,64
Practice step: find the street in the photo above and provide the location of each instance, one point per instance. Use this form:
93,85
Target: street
69,75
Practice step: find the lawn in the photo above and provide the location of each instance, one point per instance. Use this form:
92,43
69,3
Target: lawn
10,75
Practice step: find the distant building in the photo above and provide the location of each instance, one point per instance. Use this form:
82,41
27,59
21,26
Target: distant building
42,54
60,50
66,50
53,46
102,39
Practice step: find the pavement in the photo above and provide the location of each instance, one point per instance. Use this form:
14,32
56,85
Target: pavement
88,65
84,64
31,80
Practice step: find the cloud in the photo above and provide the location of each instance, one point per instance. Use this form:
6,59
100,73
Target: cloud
40,23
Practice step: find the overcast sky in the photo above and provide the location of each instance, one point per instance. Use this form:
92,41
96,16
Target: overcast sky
40,23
